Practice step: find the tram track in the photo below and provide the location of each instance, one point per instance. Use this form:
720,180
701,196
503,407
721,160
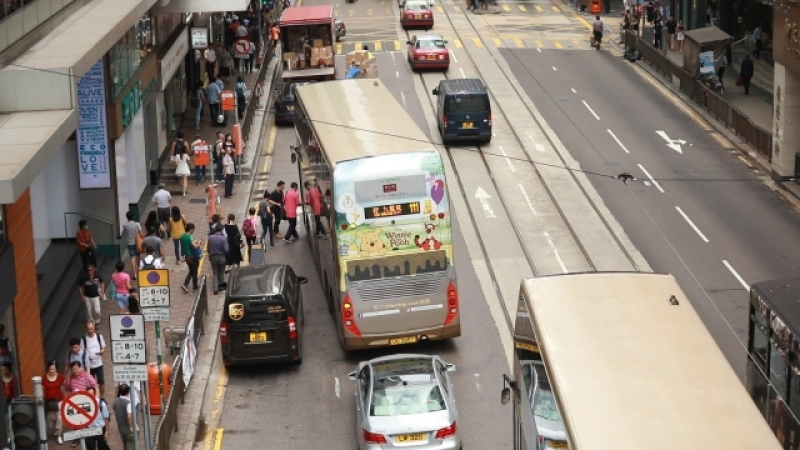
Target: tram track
529,160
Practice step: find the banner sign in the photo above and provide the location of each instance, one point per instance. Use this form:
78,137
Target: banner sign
94,167
199,38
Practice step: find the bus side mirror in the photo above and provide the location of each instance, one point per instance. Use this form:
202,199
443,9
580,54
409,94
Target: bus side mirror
435,91
294,158
450,367
505,396
302,280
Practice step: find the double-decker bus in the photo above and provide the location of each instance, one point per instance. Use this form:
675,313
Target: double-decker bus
622,361
388,269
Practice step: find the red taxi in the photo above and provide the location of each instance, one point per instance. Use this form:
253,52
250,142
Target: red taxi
416,13
428,52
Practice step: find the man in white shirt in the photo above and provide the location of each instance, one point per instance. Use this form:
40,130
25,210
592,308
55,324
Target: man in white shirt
162,199
94,345
151,260
211,60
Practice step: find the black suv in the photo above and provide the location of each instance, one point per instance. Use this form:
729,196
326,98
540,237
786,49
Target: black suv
263,316
284,102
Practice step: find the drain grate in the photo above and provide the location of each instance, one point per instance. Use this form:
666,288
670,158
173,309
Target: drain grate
197,200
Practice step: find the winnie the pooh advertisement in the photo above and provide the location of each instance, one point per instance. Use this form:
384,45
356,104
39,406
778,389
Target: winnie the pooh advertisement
392,205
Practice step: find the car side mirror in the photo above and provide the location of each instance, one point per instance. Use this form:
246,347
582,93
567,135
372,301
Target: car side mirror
445,42
505,396
353,376
294,158
435,91
450,367
302,280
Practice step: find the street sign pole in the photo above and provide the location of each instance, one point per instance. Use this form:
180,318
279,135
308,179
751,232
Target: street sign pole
158,360
155,308
134,416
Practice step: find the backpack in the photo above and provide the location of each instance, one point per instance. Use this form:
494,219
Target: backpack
149,265
180,147
194,102
248,228
240,91
263,209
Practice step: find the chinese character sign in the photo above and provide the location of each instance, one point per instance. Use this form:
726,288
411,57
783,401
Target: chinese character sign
92,135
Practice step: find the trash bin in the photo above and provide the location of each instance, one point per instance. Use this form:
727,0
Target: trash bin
153,386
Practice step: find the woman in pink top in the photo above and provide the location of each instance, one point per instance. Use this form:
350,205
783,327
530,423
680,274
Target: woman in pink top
122,283
290,203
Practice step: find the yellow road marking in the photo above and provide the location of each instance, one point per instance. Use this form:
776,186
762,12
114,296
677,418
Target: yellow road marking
539,44
358,45
478,42
506,8
576,42
518,42
338,49
352,12
336,14
498,42
440,9
458,43
721,140
378,46
218,440
369,12
555,8
557,44
457,8
523,9
397,45
538,8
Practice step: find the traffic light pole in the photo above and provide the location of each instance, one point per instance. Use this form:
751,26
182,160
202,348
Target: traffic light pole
38,397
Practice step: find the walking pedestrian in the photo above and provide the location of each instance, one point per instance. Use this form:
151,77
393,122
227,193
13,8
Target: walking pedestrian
197,102
255,44
86,244
276,200
53,393
177,227
679,34
274,36
9,382
597,30
234,256
91,287
266,216
94,346
122,411
180,158
75,353
211,61
99,441
746,71
133,240
217,251
122,287
199,170
249,230
229,171
672,27
225,65
218,154
757,37
658,30
290,203
314,200
723,63
78,379
190,255
151,244
149,262
213,92
216,220
162,199
241,100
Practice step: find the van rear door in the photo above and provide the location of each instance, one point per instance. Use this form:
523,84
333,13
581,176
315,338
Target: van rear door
263,330
467,114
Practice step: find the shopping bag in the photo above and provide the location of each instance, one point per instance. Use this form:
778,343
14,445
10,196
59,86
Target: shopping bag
740,80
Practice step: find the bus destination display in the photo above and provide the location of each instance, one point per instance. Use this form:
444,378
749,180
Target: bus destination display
396,209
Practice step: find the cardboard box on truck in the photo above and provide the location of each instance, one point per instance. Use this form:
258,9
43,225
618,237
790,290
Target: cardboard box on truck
318,43
358,56
327,51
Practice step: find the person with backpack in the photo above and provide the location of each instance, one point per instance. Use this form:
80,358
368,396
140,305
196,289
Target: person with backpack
180,158
265,214
241,100
197,102
249,229
94,345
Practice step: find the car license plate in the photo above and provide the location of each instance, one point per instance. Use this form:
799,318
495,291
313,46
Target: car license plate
431,56
417,16
410,437
558,444
403,340
291,107
258,336
467,125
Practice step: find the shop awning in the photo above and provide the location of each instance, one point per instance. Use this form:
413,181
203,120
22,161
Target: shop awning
201,6
307,15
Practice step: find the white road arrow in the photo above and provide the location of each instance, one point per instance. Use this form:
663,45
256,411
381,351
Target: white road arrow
674,144
483,197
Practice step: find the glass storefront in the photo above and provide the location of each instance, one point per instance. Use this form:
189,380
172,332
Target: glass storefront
126,56
19,17
165,24
175,99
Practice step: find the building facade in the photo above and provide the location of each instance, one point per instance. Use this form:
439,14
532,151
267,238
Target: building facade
786,97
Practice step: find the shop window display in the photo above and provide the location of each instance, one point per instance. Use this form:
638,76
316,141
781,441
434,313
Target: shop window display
128,54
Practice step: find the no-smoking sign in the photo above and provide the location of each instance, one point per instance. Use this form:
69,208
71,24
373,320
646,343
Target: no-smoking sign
79,410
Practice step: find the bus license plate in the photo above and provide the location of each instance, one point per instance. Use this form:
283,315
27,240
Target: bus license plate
410,437
467,125
403,340
258,336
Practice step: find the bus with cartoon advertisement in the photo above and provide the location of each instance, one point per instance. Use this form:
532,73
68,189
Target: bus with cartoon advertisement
388,269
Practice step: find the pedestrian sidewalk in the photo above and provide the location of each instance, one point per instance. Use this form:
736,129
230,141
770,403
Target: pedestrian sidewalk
193,207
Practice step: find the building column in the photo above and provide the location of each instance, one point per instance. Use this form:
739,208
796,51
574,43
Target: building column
785,117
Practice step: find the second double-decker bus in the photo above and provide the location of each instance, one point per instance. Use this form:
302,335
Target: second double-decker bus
388,269
622,361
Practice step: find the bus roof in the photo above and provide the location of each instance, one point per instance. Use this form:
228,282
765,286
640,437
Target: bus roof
307,15
630,370
783,297
354,119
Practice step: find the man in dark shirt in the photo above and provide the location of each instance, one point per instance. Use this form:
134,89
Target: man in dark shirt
276,200
671,27
91,288
217,249
746,71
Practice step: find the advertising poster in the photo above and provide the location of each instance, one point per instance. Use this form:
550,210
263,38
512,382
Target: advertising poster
707,63
94,168
393,208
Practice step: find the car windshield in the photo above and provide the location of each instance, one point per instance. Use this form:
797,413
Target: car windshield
416,6
430,44
402,400
544,405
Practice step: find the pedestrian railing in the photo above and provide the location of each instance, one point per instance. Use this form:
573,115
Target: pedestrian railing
715,104
106,238
195,326
247,121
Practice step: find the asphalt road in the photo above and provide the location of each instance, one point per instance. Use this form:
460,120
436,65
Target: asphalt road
715,214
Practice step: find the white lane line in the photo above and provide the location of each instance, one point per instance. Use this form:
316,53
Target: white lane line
527,199
539,50
618,141
573,90
452,55
397,74
478,381
554,68
591,110
403,96
555,252
463,75
508,160
702,236
392,55
337,388
736,274
651,178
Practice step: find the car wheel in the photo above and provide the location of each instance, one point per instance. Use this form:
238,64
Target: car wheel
297,361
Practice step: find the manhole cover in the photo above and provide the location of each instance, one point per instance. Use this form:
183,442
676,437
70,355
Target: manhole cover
197,200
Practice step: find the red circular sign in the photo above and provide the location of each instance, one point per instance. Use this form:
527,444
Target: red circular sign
242,47
79,409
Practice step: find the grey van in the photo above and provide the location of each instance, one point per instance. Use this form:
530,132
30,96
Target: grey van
263,316
463,111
